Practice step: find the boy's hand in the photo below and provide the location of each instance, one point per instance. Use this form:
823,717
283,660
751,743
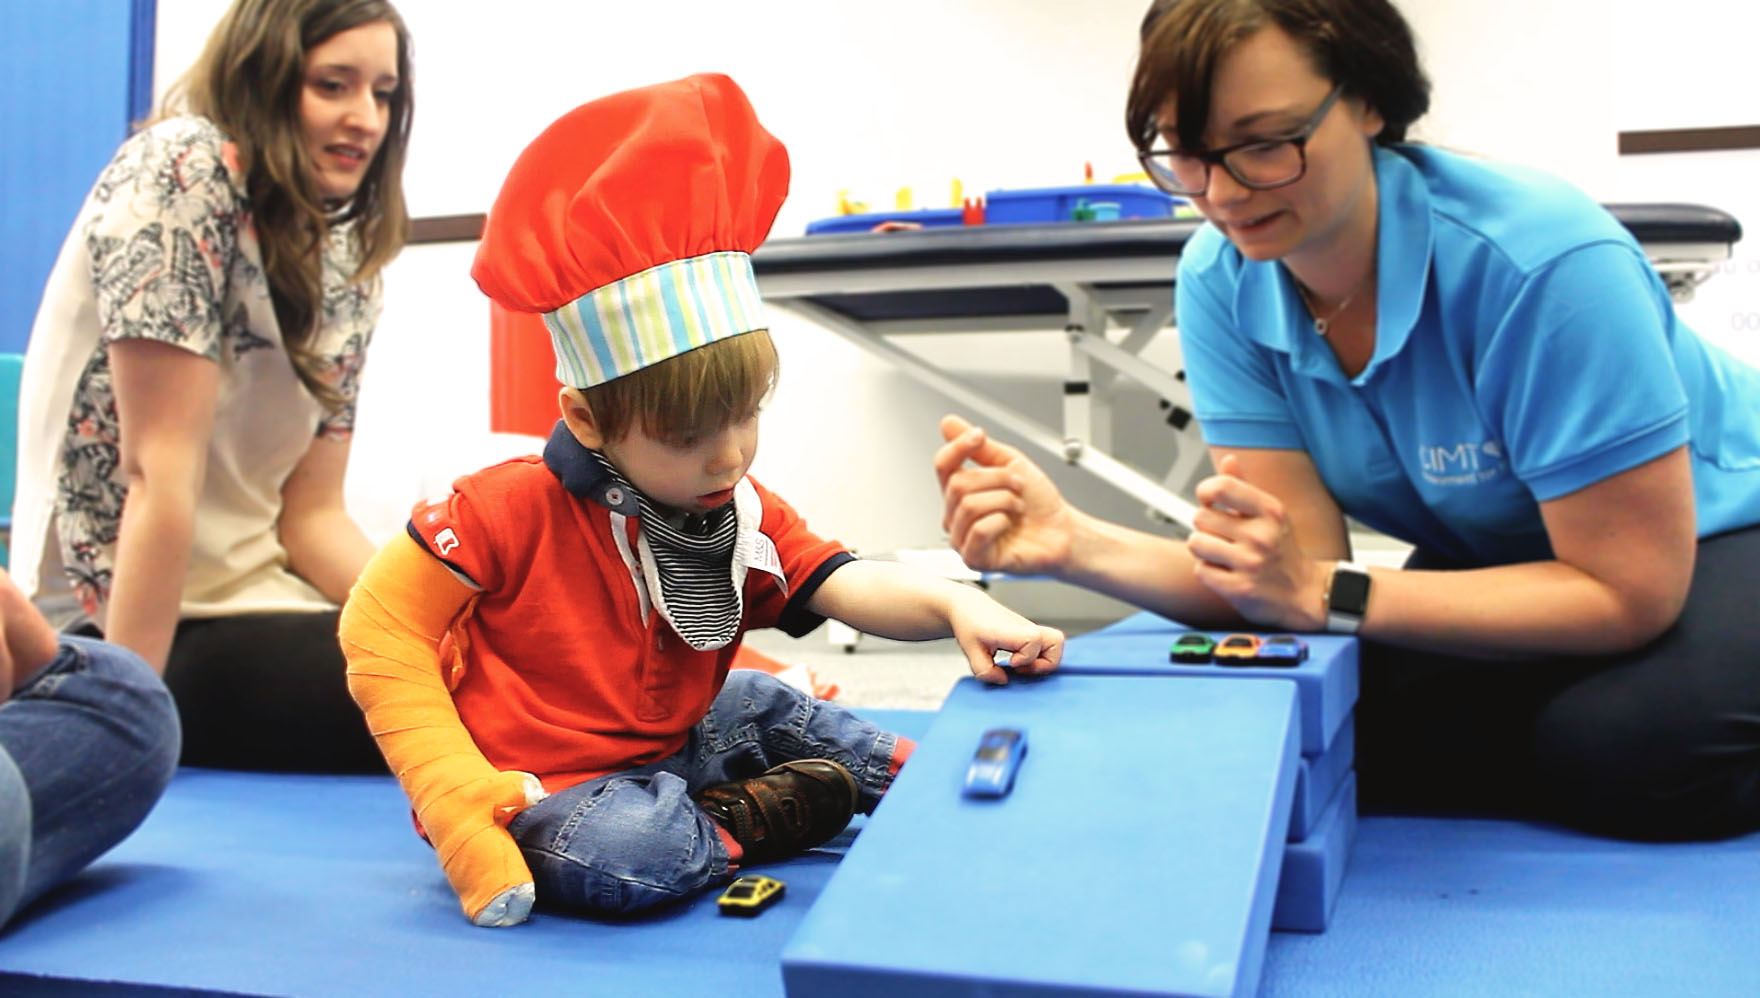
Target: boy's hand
984,627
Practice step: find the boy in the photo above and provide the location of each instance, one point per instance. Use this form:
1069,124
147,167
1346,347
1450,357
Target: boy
544,659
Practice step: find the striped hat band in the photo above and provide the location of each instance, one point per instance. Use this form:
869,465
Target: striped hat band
648,317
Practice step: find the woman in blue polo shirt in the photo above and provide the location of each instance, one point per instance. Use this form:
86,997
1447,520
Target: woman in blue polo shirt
1471,357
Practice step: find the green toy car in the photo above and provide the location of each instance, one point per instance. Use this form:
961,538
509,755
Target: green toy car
1192,647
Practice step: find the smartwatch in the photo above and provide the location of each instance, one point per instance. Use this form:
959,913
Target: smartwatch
1347,598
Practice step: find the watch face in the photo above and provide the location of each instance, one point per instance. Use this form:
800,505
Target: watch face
1350,592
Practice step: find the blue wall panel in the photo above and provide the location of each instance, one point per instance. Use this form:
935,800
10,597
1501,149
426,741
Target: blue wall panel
73,75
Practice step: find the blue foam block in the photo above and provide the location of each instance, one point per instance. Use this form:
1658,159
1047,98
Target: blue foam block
1313,869
1138,853
1319,777
1138,645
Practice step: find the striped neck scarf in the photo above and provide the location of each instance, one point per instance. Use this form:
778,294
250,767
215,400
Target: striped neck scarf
694,555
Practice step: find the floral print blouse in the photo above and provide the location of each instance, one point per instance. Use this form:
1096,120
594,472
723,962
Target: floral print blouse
165,249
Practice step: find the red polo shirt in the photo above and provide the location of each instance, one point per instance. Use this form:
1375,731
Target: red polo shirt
564,676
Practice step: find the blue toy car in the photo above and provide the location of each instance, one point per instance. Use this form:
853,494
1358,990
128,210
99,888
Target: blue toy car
993,767
1285,650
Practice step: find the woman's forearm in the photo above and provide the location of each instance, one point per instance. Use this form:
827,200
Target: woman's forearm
152,556
327,549
1142,569
1533,609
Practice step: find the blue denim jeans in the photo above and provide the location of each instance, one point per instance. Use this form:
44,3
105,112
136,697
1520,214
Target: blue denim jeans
85,750
635,839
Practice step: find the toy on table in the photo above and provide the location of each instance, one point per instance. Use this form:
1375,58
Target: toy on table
847,207
1282,650
996,762
750,895
1192,647
1237,649
1128,196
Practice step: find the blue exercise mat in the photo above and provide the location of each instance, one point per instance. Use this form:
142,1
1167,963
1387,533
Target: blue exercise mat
317,885
291,885
1446,907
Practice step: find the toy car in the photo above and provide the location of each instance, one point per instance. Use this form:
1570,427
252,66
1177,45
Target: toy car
1237,649
993,767
1282,650
750,895
1192,646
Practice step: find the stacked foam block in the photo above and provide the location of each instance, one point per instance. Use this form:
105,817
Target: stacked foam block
1166,817
1323,816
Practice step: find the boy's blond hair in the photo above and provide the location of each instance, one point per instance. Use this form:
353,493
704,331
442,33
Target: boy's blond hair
696,392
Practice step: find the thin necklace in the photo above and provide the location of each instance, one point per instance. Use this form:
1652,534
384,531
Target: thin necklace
1324,322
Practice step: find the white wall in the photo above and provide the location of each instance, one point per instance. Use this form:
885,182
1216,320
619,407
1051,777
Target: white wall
1696,68
1552,83
868,98
1518,80
873,97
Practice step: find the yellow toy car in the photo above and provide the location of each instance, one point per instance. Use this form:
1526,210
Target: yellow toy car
750,895
1237,649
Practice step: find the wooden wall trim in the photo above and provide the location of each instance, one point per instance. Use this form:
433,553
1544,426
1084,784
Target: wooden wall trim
446,229
1690,139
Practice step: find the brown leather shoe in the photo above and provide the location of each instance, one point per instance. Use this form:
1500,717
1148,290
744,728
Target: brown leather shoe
790,809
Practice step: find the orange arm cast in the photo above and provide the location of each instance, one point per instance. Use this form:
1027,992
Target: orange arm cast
392,633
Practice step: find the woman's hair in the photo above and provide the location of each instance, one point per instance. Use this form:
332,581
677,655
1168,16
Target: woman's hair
249,81
698,391
1364,45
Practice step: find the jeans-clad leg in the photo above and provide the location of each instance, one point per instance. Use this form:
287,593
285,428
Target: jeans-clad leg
758,721
93,741
15,835
636,839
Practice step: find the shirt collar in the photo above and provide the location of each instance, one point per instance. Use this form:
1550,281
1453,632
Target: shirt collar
583,477
1402,259
1404,253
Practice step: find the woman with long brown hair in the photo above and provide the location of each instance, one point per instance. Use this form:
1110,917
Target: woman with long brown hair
190,385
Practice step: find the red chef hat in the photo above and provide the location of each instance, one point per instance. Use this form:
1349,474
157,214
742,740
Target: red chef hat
628,225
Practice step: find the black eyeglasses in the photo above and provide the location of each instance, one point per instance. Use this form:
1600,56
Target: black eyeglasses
1260,164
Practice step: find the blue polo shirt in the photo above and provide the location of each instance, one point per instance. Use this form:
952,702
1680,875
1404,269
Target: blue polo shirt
1524,349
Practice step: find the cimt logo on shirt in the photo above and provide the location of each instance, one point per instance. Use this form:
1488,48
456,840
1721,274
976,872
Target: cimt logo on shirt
1461,464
